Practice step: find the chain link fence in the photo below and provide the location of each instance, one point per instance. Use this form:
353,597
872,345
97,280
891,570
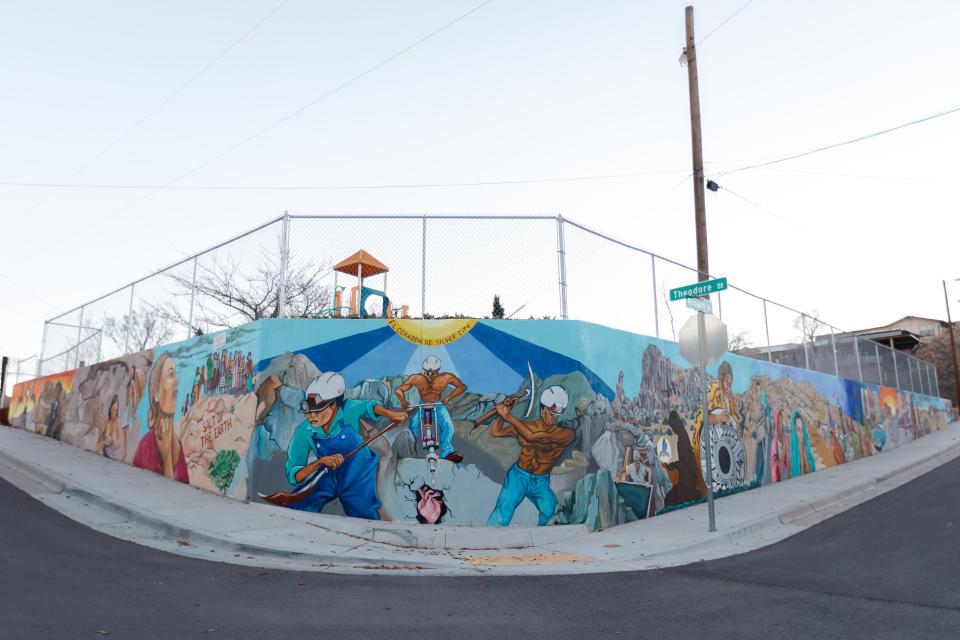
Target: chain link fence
17,370
447,266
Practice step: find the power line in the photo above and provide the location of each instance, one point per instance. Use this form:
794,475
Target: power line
303,108
861,176
762,208
728,19
844,143
129,131
425,185
26,289
123,136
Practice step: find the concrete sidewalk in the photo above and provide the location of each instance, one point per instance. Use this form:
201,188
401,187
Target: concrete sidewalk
135,505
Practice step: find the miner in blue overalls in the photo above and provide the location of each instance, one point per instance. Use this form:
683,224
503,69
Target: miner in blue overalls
330,431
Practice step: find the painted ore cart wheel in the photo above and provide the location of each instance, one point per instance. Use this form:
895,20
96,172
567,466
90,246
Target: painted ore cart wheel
729,457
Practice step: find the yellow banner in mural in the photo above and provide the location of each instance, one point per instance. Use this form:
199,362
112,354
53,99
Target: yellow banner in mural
431,333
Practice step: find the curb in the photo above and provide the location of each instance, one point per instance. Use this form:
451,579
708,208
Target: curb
795,512
446,559
446,537
789,516
175,533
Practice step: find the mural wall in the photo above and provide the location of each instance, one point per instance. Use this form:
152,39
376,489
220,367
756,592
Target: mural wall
523,422
185,410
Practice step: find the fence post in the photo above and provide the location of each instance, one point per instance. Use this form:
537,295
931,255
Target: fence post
656,311
930,389
126,325
896,372
936,382
766,326
833,345
910,370
562,268
284,265
3,377
423,270
79,336
193,295
876,349
43,347
856,351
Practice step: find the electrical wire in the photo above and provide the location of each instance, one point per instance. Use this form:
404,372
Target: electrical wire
123,136
27,290
762,208
340,87
130,130
835,145
860,176
728,19
61,185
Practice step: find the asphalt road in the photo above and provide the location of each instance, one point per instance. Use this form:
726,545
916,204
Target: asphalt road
885,569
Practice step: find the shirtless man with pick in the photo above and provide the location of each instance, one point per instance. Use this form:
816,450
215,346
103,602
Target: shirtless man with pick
430,385
542,442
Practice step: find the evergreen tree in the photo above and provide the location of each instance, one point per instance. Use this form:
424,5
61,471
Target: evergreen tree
497,308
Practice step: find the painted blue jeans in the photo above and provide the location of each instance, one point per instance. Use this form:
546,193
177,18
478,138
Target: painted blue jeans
443,426
520,484
354,482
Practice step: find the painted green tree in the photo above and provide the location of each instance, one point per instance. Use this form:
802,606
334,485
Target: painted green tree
223,468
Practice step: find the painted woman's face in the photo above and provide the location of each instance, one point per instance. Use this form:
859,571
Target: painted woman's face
727,382
114,411
168,387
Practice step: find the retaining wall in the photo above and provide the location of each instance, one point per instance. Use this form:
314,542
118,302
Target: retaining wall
222,412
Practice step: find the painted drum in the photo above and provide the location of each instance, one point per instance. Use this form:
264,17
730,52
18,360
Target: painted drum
729,457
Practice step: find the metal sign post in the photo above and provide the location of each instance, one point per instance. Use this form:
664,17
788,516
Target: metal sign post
705,432
702,340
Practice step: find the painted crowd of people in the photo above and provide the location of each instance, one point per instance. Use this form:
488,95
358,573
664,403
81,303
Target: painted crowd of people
225,373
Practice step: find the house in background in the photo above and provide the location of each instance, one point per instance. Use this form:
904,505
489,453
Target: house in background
885,355
905,334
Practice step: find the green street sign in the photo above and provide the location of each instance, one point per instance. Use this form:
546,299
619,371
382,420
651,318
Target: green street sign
703,305
698,289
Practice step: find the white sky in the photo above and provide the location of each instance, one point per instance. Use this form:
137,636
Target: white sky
515,91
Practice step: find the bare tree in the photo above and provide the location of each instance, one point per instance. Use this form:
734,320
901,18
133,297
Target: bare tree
740,342
938,353
141,329
808,325
228,294
666,304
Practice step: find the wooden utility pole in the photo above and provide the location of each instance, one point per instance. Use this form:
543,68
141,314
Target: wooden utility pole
700,210
703,267
953,344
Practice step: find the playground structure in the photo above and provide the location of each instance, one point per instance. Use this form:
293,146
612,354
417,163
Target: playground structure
363,265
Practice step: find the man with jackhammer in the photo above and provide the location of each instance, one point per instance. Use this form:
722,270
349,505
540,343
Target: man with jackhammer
331,430
431,384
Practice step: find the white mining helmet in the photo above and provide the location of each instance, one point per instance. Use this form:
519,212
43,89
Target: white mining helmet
322,391
554,399
432,363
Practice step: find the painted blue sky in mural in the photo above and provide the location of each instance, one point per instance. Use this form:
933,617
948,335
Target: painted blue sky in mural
486,359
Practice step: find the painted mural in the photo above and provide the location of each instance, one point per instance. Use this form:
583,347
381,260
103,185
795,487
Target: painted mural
464,421
184,411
